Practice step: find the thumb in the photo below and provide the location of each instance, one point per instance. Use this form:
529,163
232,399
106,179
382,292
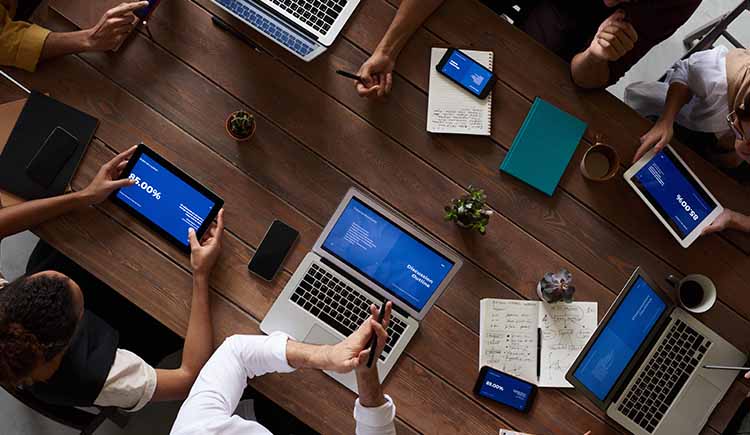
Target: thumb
117,184
193,239
747,375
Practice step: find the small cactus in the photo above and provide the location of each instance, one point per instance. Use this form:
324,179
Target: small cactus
556,287
241,124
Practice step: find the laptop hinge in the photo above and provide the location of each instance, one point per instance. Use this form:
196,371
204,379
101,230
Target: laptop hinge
361,285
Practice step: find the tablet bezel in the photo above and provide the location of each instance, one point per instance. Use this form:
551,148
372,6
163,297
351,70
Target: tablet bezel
693,236
218,202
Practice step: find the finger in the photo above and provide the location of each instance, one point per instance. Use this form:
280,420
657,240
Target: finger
193,240
387,317
122,156
118,184
220,224
614,41
747,375
125,8
374,311
630,31
370,92
118,21
640,152
388,82
380,333
381,85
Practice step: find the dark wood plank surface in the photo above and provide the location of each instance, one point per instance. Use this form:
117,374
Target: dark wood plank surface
315,139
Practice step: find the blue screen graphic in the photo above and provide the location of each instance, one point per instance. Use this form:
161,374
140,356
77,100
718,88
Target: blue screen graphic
466,71
386,254
679,200
620,339
506,390
164,199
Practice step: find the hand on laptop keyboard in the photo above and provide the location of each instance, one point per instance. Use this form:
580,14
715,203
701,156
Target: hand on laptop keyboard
353,351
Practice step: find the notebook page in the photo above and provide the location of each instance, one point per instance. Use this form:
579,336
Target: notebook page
508,336
452,109
565,329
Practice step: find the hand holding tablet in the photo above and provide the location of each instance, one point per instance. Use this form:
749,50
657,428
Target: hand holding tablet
674,193
165,198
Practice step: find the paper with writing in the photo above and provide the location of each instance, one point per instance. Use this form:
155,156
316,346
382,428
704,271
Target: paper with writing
450,108
565,329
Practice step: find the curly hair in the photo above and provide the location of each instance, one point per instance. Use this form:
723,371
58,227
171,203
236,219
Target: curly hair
37,321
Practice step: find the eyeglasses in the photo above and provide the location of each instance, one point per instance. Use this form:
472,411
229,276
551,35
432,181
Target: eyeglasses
736,127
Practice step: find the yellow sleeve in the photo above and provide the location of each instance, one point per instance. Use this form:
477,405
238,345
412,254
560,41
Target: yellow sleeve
21,43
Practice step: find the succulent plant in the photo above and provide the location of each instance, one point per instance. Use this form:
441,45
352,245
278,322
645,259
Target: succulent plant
241,124
470,211
556,287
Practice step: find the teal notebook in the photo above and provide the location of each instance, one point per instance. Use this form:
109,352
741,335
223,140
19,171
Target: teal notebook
543,146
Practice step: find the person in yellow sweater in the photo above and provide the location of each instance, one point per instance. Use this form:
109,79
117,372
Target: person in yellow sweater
24,45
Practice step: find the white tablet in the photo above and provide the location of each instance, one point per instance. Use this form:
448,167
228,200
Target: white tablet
675,195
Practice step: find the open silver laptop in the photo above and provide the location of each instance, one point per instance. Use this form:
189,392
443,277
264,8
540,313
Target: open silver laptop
306,28
644,364
366,254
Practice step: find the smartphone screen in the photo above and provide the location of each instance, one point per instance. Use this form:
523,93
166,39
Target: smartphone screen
467,73
505,389
272,251
52,157
145,12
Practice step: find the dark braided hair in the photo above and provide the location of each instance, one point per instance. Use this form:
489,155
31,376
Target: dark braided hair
37,321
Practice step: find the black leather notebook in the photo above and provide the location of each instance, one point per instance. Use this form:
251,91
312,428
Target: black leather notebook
38,119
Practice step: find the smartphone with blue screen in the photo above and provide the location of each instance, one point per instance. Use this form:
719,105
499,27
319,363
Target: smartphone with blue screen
505,389
145,12
467,73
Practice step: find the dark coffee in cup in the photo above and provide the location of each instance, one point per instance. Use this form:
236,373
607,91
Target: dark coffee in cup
691,293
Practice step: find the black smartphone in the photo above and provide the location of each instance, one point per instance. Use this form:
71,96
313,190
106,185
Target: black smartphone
52,156
467,73
505,389
145,12
273,250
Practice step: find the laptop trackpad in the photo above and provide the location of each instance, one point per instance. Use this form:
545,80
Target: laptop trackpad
697,403
318,335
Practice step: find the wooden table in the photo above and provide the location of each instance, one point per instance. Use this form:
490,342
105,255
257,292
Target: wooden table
316,138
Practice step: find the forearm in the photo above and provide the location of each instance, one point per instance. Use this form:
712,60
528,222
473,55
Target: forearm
63,43
740,222
306,356
199,336
370,391
410,16
589,71
677,97
26,215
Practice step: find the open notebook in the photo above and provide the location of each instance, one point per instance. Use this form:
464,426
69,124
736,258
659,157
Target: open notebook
450,108
534,340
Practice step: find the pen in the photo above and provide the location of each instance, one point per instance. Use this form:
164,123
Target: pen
725,368
239,35
374,339
349,75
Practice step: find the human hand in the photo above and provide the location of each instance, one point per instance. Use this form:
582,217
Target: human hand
725,220
377,74
742,147
614,38
657,138
352,353
107,180
113,27
203,254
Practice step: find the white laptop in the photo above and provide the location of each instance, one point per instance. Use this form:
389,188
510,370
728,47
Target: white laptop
644,364
367,254
305,28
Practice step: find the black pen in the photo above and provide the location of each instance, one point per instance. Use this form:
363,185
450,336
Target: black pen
711,367
232,31
350,75
374,339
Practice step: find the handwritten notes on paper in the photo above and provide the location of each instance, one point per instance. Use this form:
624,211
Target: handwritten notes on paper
533,340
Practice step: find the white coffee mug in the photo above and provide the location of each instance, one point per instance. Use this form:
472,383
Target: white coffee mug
707,286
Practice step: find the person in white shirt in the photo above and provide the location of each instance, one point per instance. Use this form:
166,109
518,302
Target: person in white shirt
211,404
707,97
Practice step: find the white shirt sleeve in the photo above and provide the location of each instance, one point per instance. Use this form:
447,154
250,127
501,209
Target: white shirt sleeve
680,72
130,384
376,421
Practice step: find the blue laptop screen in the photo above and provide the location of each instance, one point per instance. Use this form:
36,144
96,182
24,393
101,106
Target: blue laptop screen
375,247
620,339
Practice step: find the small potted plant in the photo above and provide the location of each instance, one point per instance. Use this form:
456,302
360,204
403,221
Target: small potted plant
241,125
470,211
556,287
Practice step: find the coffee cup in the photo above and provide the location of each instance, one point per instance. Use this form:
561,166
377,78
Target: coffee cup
696,293
600,162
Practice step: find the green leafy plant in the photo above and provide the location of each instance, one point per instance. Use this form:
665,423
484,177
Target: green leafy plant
241,125
470,211
556,287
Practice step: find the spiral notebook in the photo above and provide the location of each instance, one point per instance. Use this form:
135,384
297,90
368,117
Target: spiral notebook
453,110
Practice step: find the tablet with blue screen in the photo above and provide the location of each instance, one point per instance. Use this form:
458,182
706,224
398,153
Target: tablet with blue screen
674,194
165,198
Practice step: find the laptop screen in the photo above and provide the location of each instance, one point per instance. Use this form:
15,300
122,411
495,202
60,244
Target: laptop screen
620,339
386,254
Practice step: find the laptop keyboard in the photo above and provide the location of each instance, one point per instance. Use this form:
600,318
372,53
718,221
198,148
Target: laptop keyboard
318,14
268,27
339,305
662,379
